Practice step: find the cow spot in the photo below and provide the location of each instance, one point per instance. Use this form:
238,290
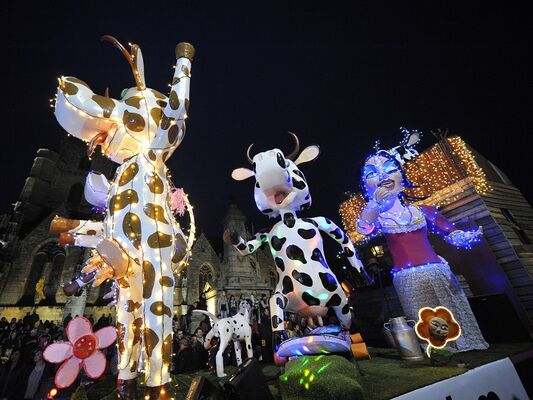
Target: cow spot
307,233
128,174
159,308
150,341
345,309
281,301
276,321
267,211
134,101
133,121
251,248
310,300
346,239
173,100
288,220
328,221
287,285
298,184
334,301
279,263
158,240
280,160
105,103
122,200
154,182
348,252
277,243
132,305
317,256
166,281
155,211
328,281
299,173
131,226
166,349
310,221
302,277
296,253
148,279
337,234
305,206
156,113
241,246
257,185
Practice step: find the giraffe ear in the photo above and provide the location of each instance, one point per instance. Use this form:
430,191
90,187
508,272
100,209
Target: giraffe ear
308,154
138,66
241,174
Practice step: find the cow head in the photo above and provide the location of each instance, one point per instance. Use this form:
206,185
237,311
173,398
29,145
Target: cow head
279,184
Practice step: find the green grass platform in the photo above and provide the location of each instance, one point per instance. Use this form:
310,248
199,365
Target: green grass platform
383,377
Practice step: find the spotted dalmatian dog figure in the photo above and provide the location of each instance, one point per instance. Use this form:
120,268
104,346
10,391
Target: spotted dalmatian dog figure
236,328
306,285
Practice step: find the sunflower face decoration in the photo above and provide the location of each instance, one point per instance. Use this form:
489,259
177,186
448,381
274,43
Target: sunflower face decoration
437,326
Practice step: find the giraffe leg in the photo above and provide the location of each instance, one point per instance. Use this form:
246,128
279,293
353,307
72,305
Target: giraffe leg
129,325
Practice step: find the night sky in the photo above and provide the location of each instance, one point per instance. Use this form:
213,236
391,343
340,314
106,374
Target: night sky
340,76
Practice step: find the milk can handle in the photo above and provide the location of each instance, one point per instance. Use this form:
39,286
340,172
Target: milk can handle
386,325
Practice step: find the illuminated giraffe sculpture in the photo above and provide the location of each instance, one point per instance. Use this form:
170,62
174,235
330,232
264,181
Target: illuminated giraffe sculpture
139,244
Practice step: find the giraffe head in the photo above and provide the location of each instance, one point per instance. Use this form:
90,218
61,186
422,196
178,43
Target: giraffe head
126,126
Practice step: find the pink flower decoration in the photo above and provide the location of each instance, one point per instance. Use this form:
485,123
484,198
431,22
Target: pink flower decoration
82,349
177,201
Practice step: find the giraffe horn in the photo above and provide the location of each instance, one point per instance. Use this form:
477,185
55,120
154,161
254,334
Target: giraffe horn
248,154
294,153
106,93
129,57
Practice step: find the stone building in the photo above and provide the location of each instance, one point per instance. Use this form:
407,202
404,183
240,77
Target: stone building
30,255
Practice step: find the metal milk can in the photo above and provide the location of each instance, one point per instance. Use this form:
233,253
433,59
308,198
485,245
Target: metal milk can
405,339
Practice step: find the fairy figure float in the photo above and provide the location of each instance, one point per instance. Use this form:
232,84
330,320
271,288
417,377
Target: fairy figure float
421,277
305,285
139,244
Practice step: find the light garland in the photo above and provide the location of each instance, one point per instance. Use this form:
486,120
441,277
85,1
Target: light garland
433,172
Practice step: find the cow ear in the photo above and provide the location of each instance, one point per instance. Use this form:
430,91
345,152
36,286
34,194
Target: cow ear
241,174
413,139
308,154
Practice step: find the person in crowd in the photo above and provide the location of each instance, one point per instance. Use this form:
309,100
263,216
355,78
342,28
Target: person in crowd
223,307
14,377
184,359
40,373
232,306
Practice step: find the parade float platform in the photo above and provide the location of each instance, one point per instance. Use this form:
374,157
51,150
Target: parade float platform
385,376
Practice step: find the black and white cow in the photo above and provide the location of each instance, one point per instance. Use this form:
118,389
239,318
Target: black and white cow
306,285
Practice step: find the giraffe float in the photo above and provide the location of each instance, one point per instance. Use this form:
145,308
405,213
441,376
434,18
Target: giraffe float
139,244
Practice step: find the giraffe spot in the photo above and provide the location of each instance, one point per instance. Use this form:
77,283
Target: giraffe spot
310,300
156,113
185,70
137,330
120,337
166,281
279,263
334,301
173,134
154,183
181,248
78,81
307,233
133,121
348,252
175,80
133,366
328,281
148,279
298,184
158,94
288,220
186,104
106,104
132,305
151,155
277,243
150,341
131,226
122,200
276,321
165,122
158,240
123,283
68,88
161,103
302,277
155,211
128,174
159,308
287,285
164,156
296,253
173,100
166,349
316,255
134,101
91,232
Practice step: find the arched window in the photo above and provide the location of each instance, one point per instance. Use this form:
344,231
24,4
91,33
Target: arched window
205,274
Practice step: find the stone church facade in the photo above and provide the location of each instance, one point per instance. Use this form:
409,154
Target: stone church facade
29,254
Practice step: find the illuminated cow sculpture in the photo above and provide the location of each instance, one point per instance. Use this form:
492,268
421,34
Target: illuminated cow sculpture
139,244
306,285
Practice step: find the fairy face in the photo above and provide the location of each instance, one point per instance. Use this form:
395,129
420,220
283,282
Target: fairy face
438,328
380,171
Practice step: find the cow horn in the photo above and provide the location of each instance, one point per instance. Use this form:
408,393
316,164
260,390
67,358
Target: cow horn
248,154
294,153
